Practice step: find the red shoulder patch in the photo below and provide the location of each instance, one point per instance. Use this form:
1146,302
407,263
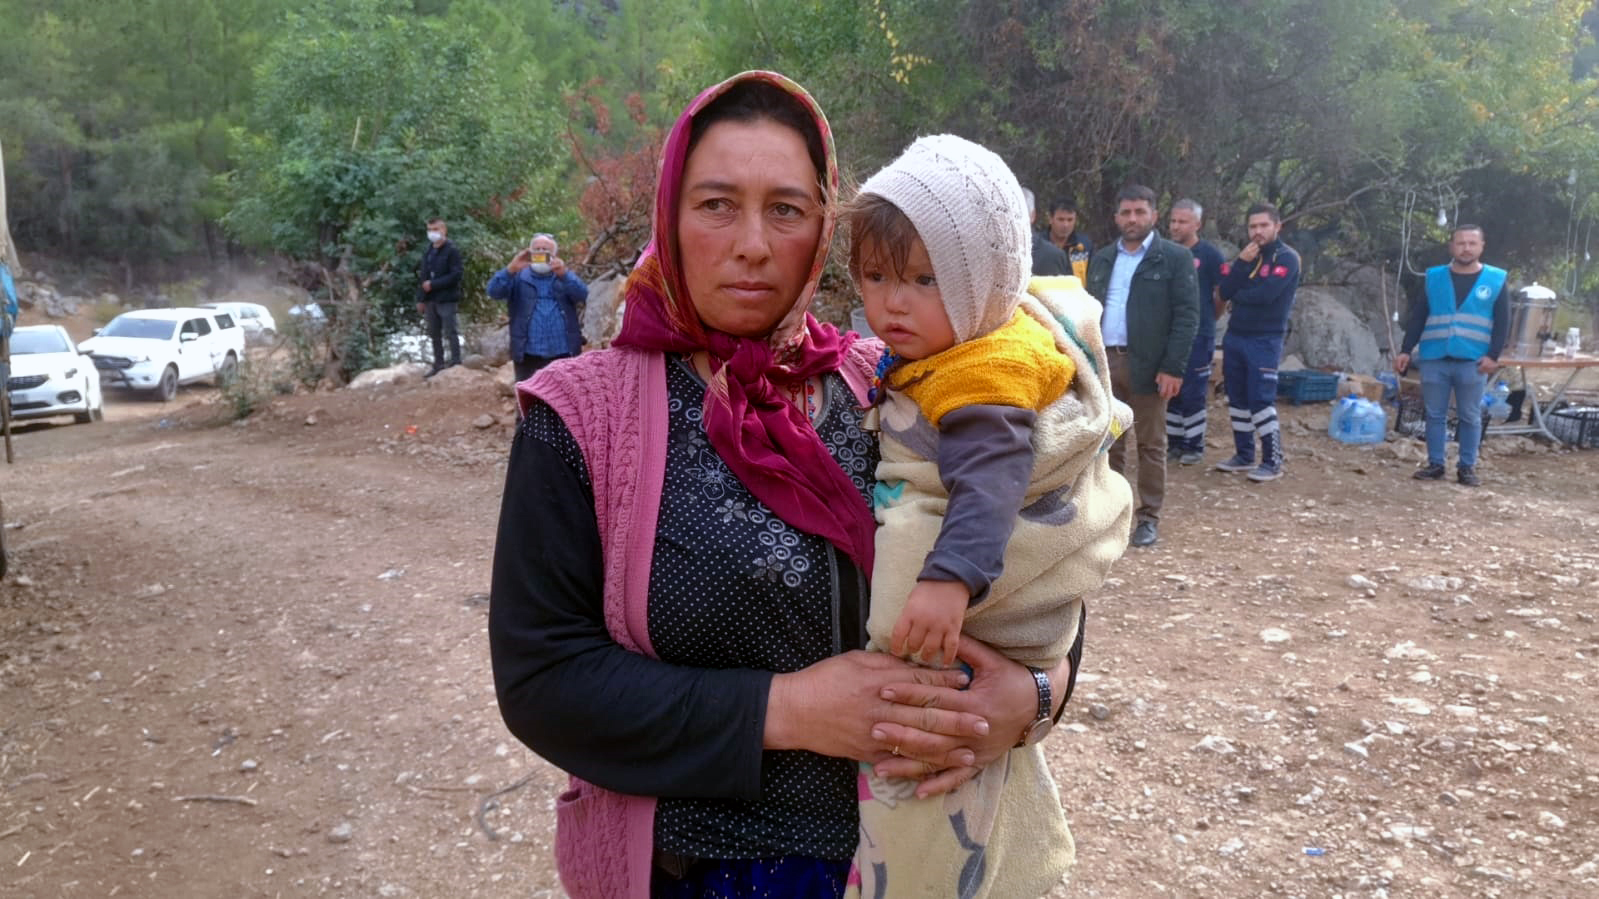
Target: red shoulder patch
1226,269
1280,271
1196,263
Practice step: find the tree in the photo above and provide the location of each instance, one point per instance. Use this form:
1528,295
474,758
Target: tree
368,121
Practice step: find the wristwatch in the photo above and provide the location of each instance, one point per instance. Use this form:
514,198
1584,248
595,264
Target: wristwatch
1041,726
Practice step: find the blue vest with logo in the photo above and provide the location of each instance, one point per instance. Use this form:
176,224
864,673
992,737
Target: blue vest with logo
1464,331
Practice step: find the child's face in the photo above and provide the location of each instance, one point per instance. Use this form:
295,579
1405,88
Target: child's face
905,308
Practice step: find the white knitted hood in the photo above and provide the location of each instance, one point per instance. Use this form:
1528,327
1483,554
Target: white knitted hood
970,212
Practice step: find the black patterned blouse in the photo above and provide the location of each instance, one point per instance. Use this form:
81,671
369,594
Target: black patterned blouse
735,594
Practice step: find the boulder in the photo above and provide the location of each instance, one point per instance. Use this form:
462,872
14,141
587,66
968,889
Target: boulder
602,314
404,373
494,345
457,376
1326,334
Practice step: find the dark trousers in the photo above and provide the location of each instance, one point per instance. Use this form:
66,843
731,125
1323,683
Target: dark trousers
1149,428
1185,414
527,366
1249,365
442,325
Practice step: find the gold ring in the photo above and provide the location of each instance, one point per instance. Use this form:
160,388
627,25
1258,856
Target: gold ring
895,750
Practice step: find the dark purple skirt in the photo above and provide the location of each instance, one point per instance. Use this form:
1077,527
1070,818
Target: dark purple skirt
755,878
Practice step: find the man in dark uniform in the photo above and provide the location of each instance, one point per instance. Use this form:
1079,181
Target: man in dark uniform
1185,415
438,293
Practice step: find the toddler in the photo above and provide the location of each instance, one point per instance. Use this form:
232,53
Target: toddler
996,505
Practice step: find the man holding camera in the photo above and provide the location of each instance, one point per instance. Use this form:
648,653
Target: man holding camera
543,297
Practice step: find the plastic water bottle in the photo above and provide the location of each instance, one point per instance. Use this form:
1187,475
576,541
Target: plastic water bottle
1390,385
1496,402
1371,422
1357,420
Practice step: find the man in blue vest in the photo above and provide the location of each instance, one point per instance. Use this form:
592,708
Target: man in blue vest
1185,415
1260,284
543,299
1460,322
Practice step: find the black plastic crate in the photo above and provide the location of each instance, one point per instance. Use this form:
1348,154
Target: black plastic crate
1300,387
1575,425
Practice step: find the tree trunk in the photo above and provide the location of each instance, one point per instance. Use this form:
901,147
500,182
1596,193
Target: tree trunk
8,249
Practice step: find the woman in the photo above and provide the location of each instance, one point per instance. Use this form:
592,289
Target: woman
678,596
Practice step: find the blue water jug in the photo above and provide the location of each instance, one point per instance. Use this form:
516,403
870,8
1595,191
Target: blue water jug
1357,420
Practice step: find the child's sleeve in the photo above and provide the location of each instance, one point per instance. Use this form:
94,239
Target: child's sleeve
985,460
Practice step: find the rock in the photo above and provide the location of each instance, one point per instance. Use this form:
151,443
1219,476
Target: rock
602,312
1499,874
1410,704
1099,711
1273,636
1360,582
313,416
1408,651
1435,582
495,347
1550,821
249,765
478,362
1311,797
1216,744
1327,334
392,574
1358,749
484,421
341,833
459,376
1448,798
1587,869
404,373
1461,711
1231,848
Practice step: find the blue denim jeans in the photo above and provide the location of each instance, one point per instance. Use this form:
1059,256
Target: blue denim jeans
1439,378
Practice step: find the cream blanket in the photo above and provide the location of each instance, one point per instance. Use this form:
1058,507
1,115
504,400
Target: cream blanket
1003,834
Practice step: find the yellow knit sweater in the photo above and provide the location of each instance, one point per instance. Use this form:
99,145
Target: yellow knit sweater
1016,365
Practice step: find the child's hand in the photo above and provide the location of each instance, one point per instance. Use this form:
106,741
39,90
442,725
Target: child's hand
929,630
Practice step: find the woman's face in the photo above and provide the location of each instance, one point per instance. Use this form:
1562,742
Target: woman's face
747,224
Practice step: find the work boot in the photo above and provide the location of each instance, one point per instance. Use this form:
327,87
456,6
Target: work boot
1192,457
1236,463
1467,476
1433,472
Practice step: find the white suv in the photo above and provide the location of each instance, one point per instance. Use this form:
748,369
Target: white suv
158,349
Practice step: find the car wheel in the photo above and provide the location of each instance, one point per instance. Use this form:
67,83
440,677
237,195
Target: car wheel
268,335
167,389
228,371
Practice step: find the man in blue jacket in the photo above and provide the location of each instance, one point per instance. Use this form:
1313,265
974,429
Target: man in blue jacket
1461,323
543,297
1260,284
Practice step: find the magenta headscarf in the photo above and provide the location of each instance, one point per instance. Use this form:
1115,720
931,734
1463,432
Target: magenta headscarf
768,444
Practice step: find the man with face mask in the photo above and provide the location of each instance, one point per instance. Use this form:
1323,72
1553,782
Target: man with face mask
439,293
543,298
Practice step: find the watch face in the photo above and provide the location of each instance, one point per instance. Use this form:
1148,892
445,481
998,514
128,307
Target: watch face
1037,731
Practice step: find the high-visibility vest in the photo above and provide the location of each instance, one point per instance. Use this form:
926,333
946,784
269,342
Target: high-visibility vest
1464,331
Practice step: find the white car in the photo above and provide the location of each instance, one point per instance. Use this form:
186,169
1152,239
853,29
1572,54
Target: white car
256,320
49,377
157,349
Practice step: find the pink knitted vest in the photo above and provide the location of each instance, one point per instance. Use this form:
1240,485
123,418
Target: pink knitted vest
614,404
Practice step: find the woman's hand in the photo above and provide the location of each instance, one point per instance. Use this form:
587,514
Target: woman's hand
1002,691
837,707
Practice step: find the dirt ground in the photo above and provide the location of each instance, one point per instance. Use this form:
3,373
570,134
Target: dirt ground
249,660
